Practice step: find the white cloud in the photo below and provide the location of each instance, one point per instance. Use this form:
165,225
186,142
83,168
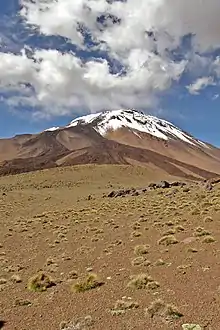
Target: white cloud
200,84
216,66
56,82
64,81
215,97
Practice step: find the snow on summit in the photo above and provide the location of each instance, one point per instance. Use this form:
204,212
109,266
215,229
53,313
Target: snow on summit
134,120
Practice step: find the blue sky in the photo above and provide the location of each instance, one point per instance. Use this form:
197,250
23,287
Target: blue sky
195,109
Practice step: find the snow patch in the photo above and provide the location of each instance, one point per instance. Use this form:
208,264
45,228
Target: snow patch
134,120
138,135
52,129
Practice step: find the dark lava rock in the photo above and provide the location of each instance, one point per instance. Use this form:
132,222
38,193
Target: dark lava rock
163,184
208,186
136,193
152,185
112,194
178,184
128,191
122,192
119,193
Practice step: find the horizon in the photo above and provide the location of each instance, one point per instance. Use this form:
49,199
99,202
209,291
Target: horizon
66,124
63,60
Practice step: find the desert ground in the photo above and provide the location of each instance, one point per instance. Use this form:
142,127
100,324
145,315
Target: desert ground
73,258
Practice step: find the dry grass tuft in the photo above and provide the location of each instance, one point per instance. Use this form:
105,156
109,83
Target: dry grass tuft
81,323
140,250
155,308
192,250
160,262
166,311
143,281
168,240
140,261
199,232
91,282
40,282
208,239
123,305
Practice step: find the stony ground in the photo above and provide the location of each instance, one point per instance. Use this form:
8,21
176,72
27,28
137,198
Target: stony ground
144,261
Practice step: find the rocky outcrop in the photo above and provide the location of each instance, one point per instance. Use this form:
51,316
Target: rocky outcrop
140,191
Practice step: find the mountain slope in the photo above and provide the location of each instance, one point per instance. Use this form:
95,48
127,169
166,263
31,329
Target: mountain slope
133,128
136,121
112,137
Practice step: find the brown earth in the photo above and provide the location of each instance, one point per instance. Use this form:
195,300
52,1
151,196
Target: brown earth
83,145
198,156
58,222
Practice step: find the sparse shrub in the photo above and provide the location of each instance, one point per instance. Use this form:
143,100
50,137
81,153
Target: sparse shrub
142,281
3,281
155,308
99,231
179,228
95,239
49,261
208,219
166,311
140,250
123,305
182,267
170,223
193,250
153,285
138,261
16,278
136,226
199,229
206,204
172,313
169,232
146,263
91,282
201,232
135,234
191,327
208,239
82,323
40,282
168,240
195,211
21,302
73,275
160,262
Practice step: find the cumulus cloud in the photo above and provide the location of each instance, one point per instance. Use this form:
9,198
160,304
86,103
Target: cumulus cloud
124,53
200,84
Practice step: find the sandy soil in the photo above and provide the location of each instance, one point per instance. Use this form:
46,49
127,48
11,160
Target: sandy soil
50,224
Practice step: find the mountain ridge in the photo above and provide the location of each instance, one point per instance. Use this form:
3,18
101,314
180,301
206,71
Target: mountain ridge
112,137
111,120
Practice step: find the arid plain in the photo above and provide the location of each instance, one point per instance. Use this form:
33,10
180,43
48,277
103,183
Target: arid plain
146,260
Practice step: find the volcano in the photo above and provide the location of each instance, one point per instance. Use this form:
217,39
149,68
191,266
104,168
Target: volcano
112,137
